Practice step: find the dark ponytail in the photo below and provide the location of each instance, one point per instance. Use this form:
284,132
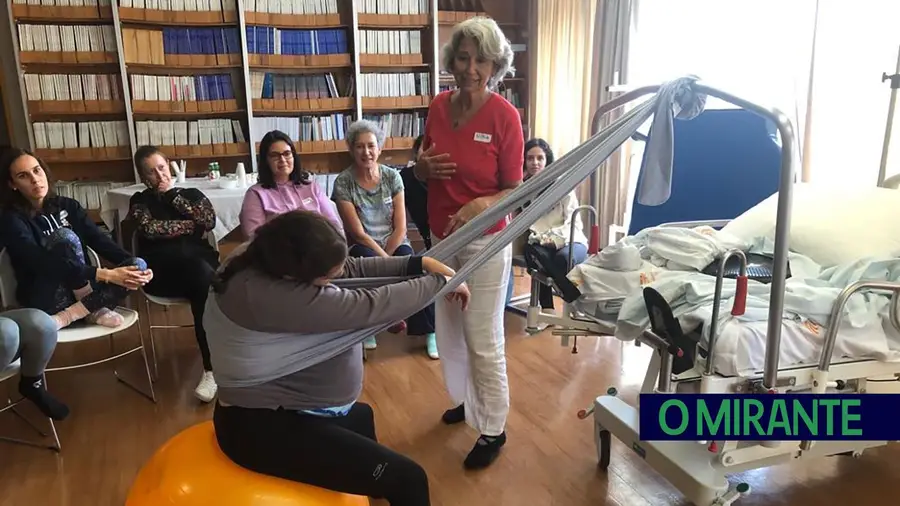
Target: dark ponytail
299,245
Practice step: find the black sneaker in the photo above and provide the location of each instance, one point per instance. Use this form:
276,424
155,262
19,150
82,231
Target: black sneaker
485,451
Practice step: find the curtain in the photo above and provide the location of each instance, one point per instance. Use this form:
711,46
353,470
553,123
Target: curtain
563,38
612,34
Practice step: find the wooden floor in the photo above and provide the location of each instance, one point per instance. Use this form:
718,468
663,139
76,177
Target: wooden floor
549,459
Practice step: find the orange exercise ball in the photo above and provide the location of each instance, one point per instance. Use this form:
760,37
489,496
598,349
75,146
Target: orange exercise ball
191,470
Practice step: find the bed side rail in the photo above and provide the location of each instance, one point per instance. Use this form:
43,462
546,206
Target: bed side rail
837,312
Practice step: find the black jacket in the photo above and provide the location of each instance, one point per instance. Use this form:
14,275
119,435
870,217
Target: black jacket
172,224
24,238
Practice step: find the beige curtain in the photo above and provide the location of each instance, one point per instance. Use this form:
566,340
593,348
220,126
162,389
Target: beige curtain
563,36
609,188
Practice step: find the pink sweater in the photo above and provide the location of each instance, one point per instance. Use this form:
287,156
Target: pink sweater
262,204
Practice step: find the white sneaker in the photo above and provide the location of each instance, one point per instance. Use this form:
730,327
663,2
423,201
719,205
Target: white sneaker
207,388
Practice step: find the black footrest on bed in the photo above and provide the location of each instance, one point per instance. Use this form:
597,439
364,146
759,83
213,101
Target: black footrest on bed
665,325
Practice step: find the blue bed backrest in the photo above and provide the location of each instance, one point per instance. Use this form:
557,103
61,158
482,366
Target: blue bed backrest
726,161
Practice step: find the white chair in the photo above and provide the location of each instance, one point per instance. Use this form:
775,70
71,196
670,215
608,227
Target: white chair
11,371
165,302
83,332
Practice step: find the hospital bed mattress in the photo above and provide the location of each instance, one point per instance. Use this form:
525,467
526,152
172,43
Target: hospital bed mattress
741,345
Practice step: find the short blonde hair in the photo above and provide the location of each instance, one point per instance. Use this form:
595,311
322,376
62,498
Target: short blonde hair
492,45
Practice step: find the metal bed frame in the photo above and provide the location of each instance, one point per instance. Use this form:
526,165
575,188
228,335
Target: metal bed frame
699,471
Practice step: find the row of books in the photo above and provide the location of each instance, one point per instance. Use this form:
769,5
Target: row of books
189,133
399,124
394,6
181,88
201,41
512,96
88,194
307,128
181,5
390,41
72,87
292,6
402,84
80,134
270,40
64,3
291,86
67,38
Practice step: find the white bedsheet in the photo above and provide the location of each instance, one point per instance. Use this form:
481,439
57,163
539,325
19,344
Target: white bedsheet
865,330
620,270
741,345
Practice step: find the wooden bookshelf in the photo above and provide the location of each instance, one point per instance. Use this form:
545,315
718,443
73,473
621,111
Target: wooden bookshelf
335,62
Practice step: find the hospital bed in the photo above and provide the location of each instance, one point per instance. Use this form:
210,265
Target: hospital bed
738,140
700,469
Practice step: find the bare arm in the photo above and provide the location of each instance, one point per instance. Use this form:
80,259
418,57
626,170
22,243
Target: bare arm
354,229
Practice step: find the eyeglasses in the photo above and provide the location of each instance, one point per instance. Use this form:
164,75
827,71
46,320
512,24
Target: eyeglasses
287,155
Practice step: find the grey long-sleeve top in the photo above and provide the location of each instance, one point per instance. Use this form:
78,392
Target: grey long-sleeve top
272,341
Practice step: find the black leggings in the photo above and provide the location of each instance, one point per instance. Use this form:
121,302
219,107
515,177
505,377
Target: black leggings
340,453
51,295
178,274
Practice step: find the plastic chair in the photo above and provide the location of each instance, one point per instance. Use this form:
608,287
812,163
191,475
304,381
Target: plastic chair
725,162
11,371
83,331
165,302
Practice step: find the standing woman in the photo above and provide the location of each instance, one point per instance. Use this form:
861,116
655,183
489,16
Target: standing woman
47,237
283,186
474,150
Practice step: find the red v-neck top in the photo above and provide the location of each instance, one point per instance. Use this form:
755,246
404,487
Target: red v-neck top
489,152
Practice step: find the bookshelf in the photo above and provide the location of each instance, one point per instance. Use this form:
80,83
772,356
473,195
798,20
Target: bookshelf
206,79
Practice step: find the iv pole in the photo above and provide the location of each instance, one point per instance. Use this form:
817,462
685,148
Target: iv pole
895,84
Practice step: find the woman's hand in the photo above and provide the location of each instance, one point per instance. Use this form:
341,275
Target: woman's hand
466,214
129,277
461,294
433,165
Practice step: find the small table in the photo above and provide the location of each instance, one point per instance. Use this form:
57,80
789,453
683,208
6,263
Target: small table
227,203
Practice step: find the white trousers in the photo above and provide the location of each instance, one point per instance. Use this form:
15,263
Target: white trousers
472,343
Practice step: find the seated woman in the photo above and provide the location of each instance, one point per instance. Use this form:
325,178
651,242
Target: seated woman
171,224
30,336
46,237
370,201
416,195
283,186
548,238
280,413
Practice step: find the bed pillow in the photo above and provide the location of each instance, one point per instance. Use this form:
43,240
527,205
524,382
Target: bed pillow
832,225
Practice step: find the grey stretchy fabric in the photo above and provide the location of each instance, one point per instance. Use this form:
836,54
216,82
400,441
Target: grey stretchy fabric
556,181
656,167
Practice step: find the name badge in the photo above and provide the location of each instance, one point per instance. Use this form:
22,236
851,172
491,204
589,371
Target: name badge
307,201
481,137
388,201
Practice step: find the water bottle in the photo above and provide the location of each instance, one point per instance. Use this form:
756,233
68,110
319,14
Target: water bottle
241,175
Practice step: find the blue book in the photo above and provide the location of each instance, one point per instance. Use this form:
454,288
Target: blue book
342,41
268,87
227,90
167,41
184,41
200,88
271,36
262,39
251,39
218,41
